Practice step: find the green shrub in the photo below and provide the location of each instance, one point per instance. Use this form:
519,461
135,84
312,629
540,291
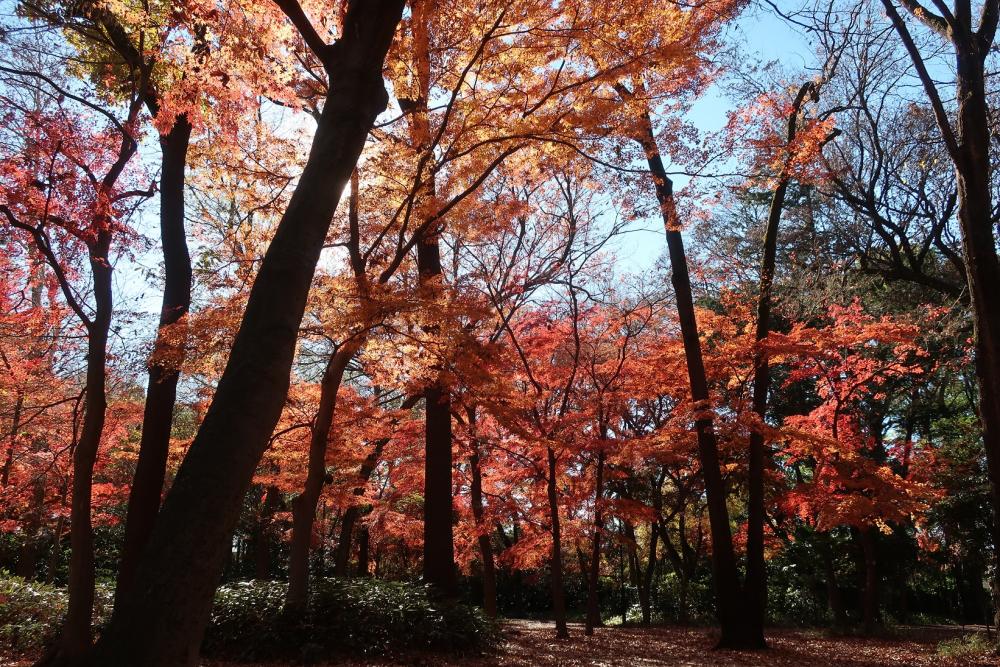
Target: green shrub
32,612
344,617
966,648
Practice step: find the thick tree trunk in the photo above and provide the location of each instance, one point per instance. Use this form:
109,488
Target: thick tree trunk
76,636
304,504
439,550
161,389
736,629
869,599
975,216
833,594
593,604
558,595
485,546
363,545
968,144
161,621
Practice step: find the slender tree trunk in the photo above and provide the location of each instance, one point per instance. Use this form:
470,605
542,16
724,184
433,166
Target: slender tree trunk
50,571
755,586
485,546
646,584
161,621
304,504
736,630
262,539
342,557
27,563
76,635
164,371
593,605
558,595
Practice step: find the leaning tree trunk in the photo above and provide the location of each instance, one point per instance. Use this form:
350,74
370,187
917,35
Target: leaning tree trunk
164,371
736,629
304,504
162,619
593,606
76,635
558,596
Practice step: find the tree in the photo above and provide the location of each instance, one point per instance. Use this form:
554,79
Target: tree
181,565
966,138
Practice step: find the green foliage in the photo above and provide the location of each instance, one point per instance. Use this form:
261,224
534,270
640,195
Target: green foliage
31,612
969,647
344,617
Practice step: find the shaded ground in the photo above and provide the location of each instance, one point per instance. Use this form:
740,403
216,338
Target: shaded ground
533,643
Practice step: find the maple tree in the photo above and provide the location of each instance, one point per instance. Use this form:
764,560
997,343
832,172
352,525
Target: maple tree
473,374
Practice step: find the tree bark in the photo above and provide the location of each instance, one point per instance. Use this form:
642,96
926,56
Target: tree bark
76,635
755,584
869,603
593,605
558,595
304,504
968,144
161,389
485,546
161,621
736,631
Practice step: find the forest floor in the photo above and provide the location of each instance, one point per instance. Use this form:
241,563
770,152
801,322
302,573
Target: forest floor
531,643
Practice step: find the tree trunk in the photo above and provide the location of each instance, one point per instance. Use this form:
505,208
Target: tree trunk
833,595
870,606
161,621
558,596
439,550
646,584
485,546
737,632
27,563
593,604
161,389
975,209
76,634
342,557
304,504
363,544
968,144
755,585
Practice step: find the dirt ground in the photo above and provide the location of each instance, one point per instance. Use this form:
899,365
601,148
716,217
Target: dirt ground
531,643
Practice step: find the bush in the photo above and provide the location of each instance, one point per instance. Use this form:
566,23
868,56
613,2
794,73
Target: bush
344,617
968,647
31,612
